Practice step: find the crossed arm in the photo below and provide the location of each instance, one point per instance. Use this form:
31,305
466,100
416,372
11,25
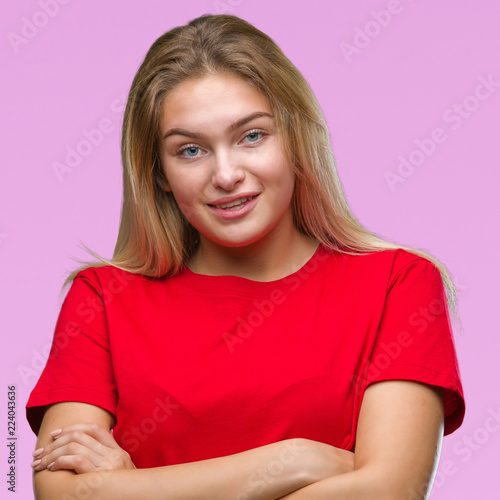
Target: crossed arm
398,442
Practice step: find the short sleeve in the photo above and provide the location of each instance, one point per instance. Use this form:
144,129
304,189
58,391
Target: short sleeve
79,366
415,340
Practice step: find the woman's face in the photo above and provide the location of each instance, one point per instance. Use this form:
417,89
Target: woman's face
224,162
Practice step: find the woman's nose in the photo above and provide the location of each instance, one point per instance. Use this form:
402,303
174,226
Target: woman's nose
228,172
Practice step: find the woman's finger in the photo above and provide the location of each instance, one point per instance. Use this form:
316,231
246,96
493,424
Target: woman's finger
78,437
75,456
94,445
78,463
94,430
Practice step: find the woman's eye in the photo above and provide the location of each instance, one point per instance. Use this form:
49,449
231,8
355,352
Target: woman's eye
189,152
192,151
255,135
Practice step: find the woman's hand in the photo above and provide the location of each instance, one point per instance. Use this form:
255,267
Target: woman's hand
82,448
319,461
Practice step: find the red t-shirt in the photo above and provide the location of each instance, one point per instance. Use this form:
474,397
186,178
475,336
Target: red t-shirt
195,367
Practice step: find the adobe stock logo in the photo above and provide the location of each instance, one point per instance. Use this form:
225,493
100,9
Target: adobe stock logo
32,25
388,353
226,6
265,308
92,139
132,438
364,36
466,448
454,117
268,473
65,331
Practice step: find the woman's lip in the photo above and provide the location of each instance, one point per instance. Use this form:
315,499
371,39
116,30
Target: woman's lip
230,199
229,214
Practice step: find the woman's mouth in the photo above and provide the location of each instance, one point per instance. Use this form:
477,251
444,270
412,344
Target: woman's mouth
236,204
234,209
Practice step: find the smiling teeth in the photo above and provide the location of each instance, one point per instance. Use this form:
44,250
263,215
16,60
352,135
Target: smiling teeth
235,203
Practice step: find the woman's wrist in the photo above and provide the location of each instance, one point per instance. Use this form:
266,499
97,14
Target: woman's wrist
292,464
317,461
276,470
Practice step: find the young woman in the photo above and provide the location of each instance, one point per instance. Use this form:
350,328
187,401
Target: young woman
249,339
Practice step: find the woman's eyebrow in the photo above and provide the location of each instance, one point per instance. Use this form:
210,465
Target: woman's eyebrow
231,128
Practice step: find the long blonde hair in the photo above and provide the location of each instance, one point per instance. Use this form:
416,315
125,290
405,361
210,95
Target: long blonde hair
155,238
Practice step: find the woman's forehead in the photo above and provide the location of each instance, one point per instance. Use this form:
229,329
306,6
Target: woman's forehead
213,83
213,98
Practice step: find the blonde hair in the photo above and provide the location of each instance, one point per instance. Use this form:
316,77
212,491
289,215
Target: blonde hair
155,238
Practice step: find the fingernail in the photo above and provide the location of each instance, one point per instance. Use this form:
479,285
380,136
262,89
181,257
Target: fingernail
56,432
35,463
37,452
50,466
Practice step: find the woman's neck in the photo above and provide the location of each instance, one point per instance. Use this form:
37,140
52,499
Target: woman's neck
264,260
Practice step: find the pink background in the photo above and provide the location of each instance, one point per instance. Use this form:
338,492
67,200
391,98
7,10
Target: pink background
74,70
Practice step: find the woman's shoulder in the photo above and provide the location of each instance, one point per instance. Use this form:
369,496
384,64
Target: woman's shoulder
369,278
384,262
108,276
